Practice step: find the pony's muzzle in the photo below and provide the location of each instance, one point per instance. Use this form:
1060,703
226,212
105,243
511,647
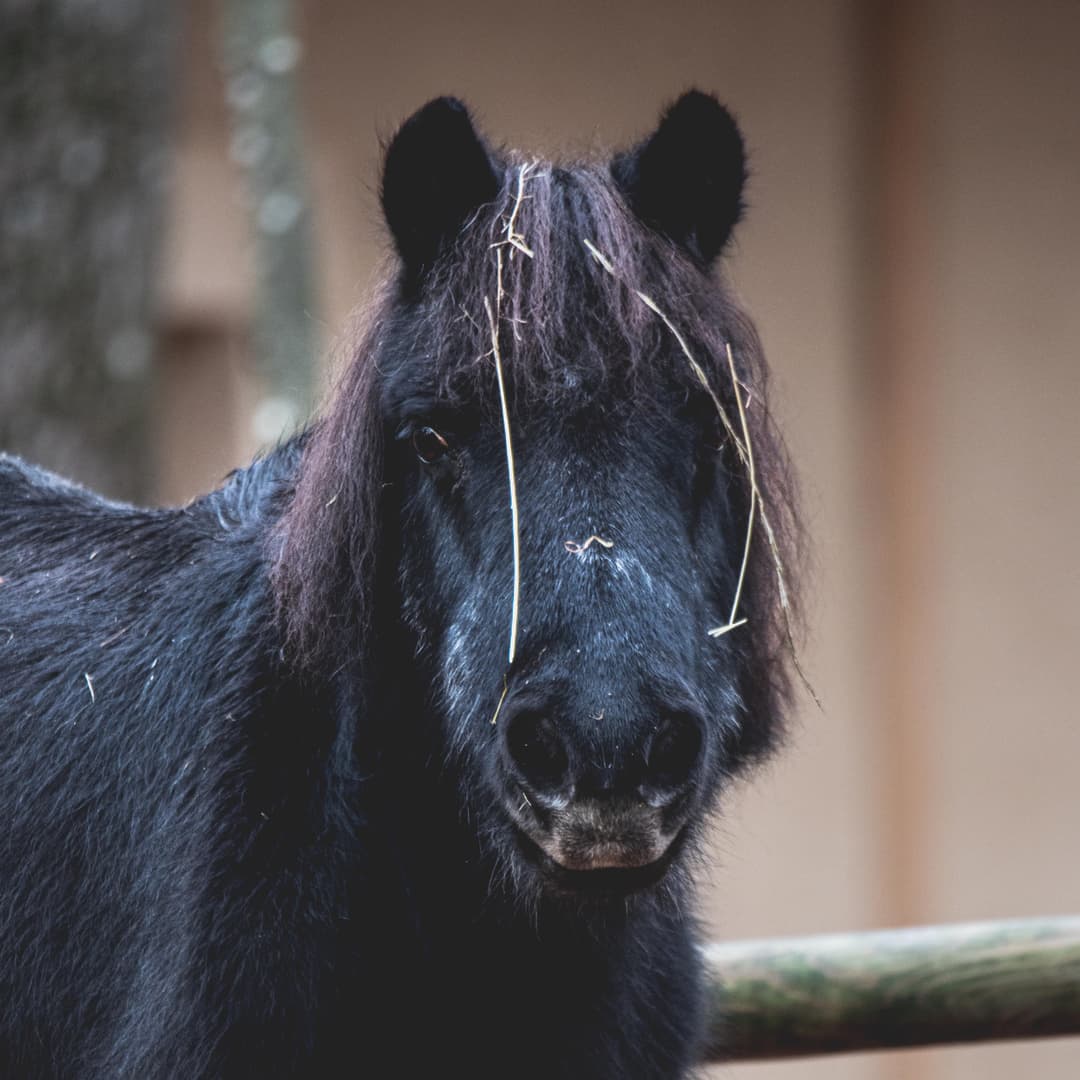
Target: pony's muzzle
600,845
599,795
558,762
539,757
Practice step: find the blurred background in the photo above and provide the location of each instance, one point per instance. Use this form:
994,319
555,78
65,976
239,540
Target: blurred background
189,216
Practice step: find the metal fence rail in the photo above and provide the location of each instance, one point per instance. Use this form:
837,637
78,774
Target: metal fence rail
798,997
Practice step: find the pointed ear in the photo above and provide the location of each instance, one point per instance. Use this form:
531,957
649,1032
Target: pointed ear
686,179
436,173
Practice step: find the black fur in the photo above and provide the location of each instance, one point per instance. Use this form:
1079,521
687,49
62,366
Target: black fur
436,173
687,178
257,819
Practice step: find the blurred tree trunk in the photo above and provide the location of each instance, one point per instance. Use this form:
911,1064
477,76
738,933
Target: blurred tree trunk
261,54
84,127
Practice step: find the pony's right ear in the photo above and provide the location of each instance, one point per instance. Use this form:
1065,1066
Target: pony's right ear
437,172
687,178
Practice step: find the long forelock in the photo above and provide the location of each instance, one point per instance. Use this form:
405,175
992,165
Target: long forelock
564,319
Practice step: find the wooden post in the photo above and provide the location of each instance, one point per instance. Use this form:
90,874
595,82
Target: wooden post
1015,979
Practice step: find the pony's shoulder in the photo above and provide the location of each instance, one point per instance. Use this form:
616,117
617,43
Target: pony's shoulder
23,485
246,493
46,520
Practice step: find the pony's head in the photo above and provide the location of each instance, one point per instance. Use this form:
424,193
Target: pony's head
560,628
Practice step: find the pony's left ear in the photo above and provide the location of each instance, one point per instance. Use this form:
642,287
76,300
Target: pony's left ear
687,178
437,172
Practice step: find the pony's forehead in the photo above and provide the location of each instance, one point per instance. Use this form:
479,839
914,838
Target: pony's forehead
571,287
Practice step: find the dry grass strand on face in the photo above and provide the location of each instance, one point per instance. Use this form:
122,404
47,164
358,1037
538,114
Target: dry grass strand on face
749,443
502,698
517,243
511,477
579,549
744,449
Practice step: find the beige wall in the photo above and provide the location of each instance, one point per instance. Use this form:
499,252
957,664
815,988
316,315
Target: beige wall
1003,592
988,790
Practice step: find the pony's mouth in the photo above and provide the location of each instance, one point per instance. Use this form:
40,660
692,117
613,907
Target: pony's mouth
604,881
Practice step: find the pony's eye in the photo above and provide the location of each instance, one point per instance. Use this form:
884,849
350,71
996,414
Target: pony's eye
429,445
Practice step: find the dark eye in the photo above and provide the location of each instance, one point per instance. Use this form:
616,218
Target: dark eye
429,445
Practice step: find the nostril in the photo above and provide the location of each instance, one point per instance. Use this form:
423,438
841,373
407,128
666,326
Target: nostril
674,753
537,752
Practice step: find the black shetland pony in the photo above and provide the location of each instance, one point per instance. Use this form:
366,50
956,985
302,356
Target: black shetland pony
273,801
